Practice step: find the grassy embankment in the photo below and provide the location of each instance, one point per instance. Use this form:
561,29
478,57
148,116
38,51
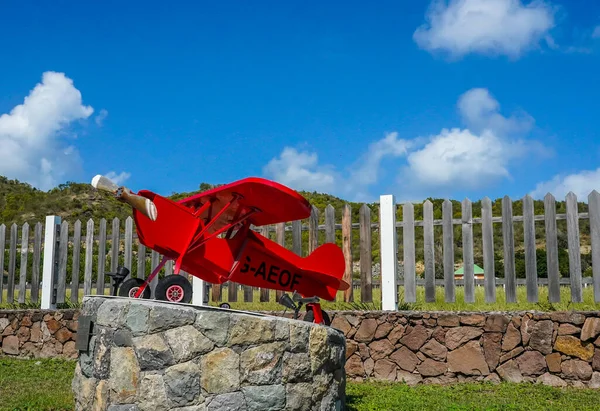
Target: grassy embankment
45,385
460,305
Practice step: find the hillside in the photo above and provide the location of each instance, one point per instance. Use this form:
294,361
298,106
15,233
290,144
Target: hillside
19,203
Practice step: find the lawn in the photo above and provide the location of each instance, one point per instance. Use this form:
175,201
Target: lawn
483,396
440,305
45,385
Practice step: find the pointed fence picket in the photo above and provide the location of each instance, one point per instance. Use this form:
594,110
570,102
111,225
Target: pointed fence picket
12,264
433,236
594,212
429,252
408,235
530,254
76,262
467,239
574,248
448,238
23,269
366,275
551,249
346,248
100,278
2,246
37,259
487,231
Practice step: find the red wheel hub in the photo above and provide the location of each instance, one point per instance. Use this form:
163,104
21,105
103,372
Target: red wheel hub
133,291
175,293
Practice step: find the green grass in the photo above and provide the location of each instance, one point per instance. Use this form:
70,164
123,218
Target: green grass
440,305
45,385
375,396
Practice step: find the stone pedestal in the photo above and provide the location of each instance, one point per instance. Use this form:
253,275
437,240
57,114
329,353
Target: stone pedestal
151,355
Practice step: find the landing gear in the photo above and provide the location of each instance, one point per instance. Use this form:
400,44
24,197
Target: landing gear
175,288
126,288
131,286
118,277
314,314
310,316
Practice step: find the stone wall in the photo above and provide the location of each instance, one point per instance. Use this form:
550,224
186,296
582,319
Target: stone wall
38,333
555,348
149,355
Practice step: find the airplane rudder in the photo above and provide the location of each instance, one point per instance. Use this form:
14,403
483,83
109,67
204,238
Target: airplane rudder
327,258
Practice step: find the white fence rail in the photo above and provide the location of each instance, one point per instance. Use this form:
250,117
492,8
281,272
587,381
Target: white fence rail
65,258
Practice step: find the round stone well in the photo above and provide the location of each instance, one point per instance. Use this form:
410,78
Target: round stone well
155,355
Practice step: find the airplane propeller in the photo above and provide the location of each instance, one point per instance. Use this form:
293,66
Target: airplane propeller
142,204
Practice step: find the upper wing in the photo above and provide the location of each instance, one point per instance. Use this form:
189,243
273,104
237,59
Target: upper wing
275,203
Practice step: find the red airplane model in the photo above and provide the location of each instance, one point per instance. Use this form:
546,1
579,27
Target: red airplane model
189,232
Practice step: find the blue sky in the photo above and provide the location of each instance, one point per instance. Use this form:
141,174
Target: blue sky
418,99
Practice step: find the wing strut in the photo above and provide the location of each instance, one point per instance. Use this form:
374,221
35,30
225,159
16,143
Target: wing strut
196,238
224,228
150,277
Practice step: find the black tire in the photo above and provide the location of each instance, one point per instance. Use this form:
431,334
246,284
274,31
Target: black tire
225,305
130,286
310,317
167,288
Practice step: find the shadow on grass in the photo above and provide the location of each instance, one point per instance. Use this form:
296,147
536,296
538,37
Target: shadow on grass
352,402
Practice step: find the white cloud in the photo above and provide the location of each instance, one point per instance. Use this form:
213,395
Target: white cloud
581,184
118,178
31,135
301,170
481,111
473,157
101,117
596,33
459,157
368,167
489,27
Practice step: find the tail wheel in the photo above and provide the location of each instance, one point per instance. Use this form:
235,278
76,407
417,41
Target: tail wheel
310,317
130,287
175,288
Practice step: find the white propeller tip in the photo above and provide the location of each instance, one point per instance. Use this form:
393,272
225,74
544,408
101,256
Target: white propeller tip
100,182
96,180
151,209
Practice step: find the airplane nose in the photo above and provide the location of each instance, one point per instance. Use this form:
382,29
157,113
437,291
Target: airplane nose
142,204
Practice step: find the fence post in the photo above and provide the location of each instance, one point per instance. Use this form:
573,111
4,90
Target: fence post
389,253
50,267
199,289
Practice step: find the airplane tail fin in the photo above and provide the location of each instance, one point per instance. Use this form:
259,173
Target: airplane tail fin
326,259
327,265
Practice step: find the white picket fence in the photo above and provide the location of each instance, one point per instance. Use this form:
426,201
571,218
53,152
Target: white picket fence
56,243
50,272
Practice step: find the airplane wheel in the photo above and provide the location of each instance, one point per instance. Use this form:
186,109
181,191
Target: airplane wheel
310,317
175,288
130,287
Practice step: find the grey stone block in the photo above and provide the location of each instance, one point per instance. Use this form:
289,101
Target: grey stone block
234,401
166,317
265,397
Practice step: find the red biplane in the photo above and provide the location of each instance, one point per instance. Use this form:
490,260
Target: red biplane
209,236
